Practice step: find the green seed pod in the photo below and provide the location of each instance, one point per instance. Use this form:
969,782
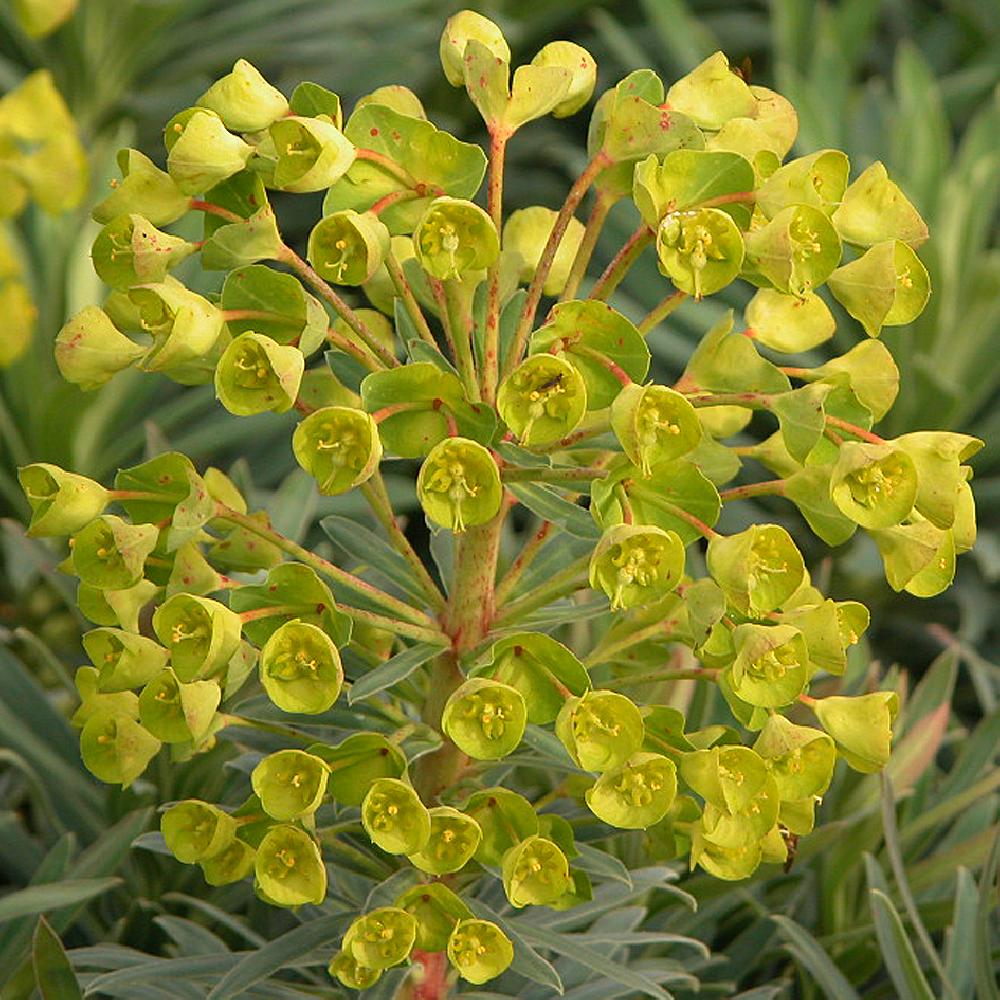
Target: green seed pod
348,248
300,669
772,667
195,831
232,864
484,718
257,375
177,713
758,569
861,727
357,762
526,232
543,399
90,349
636,564
312,154
636,795
654,424
185,327
143,189
711,94
130,250
699,250
479,950
874,485
455,237
459,484
61,502
346,970
728,777
339,447
244,100
203,153
394,817
535,872
201,634
454,839
436,910
115,748
874,209
290,784
796,251
800,758
575,58
458,31
124,660
110,553
601,730
382,938
504,817
289,867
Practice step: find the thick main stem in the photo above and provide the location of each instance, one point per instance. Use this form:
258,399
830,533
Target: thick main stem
491,337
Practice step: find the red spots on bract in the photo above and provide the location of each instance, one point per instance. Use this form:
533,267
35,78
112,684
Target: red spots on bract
396,137
621,341
320,608
272,588
252,199
374,132
482,81
665,122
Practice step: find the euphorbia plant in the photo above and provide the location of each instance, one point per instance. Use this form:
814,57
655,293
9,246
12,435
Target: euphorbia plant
487,747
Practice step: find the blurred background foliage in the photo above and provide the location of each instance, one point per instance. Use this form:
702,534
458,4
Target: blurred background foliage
911,82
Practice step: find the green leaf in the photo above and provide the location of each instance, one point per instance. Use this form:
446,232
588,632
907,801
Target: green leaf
547,503
809,954
802,418
986,983
728,362
240,243
41,898
53,973
394,670
900,960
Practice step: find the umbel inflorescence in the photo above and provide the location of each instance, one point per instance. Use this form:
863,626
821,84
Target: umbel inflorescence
211,624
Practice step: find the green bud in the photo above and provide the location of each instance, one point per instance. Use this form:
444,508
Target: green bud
711,94
436,910
796,251
357,762
455,237
300,669
636,564
289,867
89,349
338,446
394,817
143,189
818,179
861,727
201,634
115,748
771,668
382,938
110,553
348,972
637,794
576,59
347,247
600,730
257,375
203,153
290,784
61,502
789,323
800,758
543,399
527,231
195,830
874,485
130,250
232,864
312,154
535,872
505,819
244,100
874,209
458,30
758,569
479,950
175,712
454,839
700,250
654,424
484,718
459,484
124,660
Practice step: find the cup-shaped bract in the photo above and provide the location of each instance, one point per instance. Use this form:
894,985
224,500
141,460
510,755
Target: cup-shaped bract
543,399
453,840
257,375
582,66
185,328
637,794
232,864
195,830
300,668
436,910
601,730
535,872
818,179
382,938
201,634
874,209
744,827
290,784
459,484
699,250
800,758
758,569
115,748
124,660
244,100
479,950
797,250
350,973
144,189
289,867
861,727
175,712
636,564
711,94
357,762
526,232
875,485
348,247
776,115
654,424
771,668
394,817
728,863
485,718
202,152
338,446
459,29
61,502
90,349
728,777
504,817
312,154
789,323
455,237
110,553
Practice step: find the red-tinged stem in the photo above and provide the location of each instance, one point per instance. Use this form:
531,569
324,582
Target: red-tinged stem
348,346
689,674
303,407
393,198
445,411
591,233
393,408
405,292
854,429
523,560
661,311
620,264
772,487
389,165
545,474
807,700
735,198
626,504
232,314
134,495
218,210
271,612
490,373
700,526
603,360
458,339
799,373
567,581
